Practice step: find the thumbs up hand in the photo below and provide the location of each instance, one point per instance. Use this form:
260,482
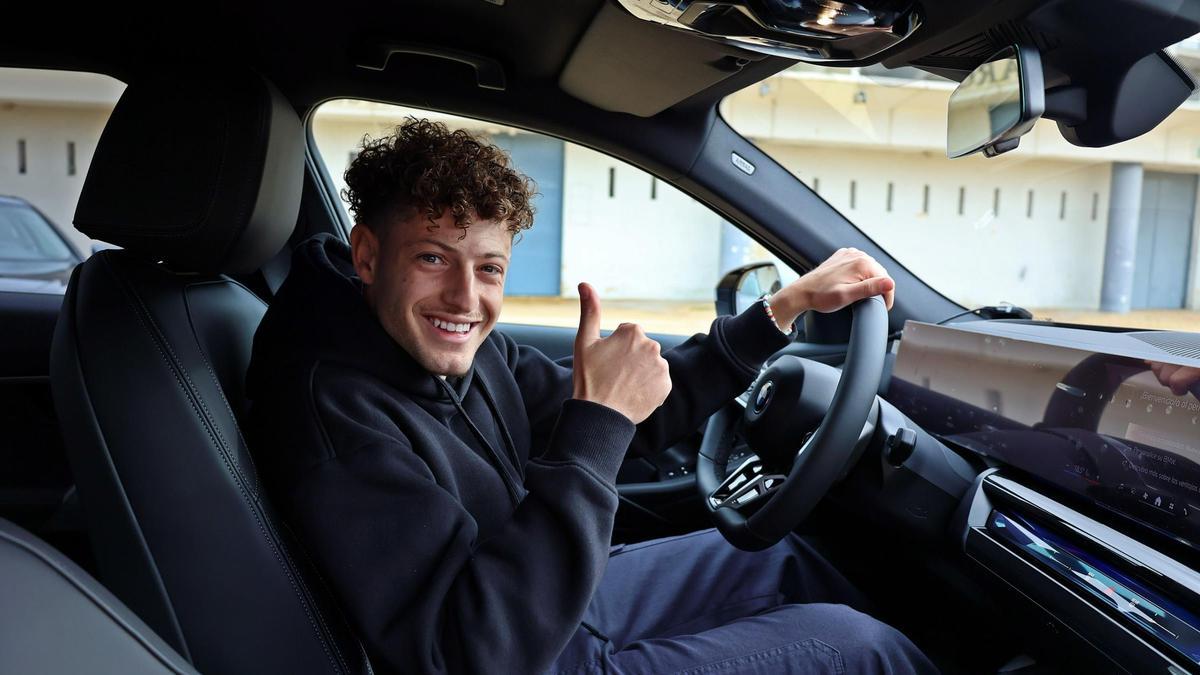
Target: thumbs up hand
623,371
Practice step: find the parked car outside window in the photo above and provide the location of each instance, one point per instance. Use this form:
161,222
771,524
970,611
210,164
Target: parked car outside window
34,256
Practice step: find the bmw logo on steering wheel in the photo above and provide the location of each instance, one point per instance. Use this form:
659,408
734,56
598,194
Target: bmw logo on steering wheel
764,395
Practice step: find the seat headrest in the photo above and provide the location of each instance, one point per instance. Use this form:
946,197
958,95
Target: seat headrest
202,172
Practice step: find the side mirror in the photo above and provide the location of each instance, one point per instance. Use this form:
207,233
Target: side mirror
743,286
996,104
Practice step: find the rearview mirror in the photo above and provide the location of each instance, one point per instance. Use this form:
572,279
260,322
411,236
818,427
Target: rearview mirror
743,286
996,104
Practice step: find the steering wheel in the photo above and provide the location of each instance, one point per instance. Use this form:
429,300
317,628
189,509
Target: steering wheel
803,421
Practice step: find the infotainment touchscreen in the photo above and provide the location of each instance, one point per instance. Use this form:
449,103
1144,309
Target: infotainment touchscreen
1114,426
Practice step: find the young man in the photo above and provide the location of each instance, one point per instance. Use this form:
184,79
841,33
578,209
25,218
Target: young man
457,490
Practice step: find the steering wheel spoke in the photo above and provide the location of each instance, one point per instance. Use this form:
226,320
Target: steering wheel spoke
746,484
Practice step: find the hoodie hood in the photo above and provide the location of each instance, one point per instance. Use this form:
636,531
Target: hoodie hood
344,331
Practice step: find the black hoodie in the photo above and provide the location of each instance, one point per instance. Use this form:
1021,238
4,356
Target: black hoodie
463,527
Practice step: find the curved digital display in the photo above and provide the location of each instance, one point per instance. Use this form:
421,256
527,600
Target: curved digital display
1117,424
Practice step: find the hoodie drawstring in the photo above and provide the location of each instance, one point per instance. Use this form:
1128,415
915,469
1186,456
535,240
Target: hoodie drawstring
514,491
504,433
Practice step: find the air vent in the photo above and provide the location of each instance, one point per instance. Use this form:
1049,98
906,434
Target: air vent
1186,345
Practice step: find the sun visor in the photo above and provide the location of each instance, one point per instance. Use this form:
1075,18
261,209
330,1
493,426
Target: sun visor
623,64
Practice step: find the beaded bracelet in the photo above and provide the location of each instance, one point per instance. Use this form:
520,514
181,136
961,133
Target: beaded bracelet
766,300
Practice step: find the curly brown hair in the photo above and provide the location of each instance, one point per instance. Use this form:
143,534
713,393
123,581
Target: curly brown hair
423,167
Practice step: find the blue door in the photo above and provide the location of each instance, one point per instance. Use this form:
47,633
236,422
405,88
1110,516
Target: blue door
537,255
1164,240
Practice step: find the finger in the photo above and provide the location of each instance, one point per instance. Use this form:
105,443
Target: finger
589,317
877,271
869,288
1164,373
1192,381
1182,379
889,296
1155,367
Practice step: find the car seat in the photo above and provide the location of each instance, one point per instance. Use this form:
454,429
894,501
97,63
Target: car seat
196,176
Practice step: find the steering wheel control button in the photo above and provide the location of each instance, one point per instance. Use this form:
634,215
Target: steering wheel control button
745,484
764,396
899,446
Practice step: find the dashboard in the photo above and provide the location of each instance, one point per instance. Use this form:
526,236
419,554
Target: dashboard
1089,504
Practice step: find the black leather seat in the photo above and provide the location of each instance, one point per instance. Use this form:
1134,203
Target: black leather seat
57,619
196,178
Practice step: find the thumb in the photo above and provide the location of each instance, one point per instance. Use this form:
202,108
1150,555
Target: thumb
589,317
869,288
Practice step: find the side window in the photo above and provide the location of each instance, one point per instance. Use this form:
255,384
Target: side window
653,253
50,122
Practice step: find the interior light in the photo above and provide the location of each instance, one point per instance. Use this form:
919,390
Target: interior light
814,31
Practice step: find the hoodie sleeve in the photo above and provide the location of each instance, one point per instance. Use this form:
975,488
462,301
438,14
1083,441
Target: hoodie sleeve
707,372
404,555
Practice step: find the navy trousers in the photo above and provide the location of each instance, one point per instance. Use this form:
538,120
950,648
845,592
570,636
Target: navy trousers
696,604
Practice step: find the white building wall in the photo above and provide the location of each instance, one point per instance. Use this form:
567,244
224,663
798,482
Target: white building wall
46,184
981,255
630,245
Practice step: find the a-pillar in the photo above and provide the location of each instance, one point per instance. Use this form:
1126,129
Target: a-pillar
1120,249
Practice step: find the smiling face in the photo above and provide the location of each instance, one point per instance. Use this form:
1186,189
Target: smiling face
436,292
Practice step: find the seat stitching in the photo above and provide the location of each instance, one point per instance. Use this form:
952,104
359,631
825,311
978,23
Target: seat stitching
362,652
147,321
207,415
231,468
255,475
228,408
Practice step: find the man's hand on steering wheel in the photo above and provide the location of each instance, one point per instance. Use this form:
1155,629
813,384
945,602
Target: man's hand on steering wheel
845,277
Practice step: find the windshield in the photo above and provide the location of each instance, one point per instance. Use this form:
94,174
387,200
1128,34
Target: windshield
1029,227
